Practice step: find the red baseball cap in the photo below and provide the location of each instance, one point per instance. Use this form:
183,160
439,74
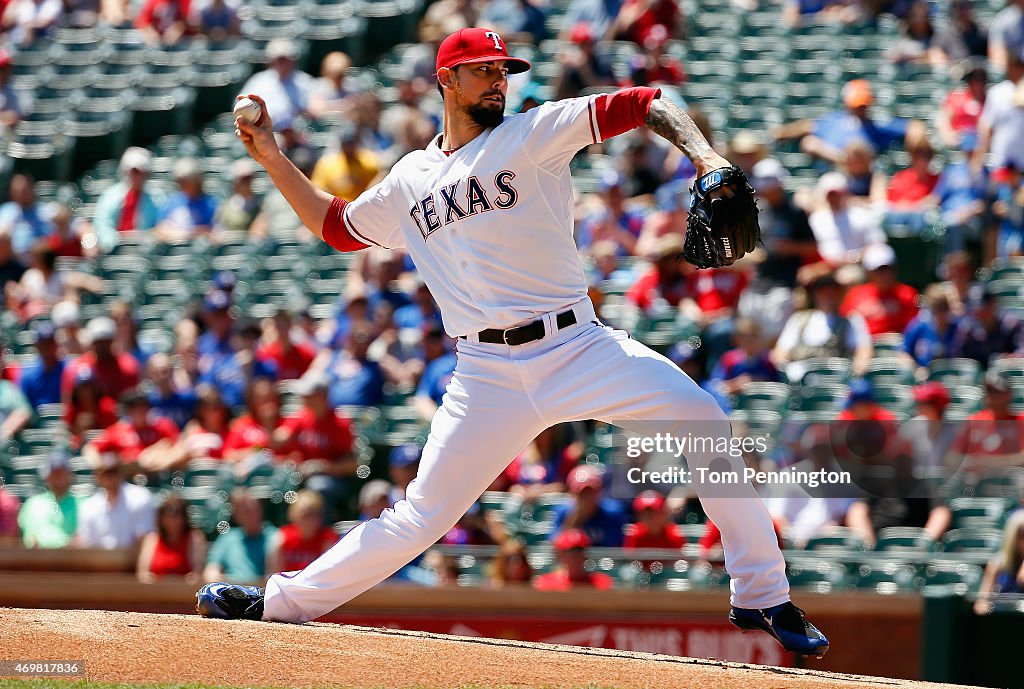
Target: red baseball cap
649,500
476,45
571,538
932,392
584,476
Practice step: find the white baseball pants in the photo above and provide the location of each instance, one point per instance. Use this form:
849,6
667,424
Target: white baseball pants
500,398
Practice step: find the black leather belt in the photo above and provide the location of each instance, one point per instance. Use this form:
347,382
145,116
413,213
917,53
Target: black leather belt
531,332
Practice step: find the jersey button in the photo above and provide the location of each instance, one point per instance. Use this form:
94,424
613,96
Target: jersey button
465,263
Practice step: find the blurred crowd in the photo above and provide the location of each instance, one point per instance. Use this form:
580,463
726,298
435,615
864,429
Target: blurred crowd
825,284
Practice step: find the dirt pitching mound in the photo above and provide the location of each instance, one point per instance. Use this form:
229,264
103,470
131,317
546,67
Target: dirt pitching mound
140,647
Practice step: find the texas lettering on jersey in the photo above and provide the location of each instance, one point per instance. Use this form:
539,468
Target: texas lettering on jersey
463,199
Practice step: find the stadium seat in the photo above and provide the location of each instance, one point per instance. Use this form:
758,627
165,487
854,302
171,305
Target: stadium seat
903,539
977,511
818,575
820,397
962,577
972,540
955,372
827,371
773,397
836,539
885,577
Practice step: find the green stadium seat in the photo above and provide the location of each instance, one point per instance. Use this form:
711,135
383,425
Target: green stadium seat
955,372
972,540
1007,484
890,370
903,539
836,539
828,398
961,576
885,577
774,397
826,371
977,511
818,575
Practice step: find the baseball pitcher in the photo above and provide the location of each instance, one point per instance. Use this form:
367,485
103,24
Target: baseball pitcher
485,211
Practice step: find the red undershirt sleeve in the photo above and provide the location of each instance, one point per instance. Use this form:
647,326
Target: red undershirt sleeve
334,231
617,113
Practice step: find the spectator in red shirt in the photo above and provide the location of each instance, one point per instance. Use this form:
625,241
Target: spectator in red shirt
886,305
717,293
652,529
115,373
86,409
665,284
204,436
140,437
289,358
320,441
66,239
654,66
639,19
163,21
571,546
253,429
961,110
304,538
995,431
910,189
175,549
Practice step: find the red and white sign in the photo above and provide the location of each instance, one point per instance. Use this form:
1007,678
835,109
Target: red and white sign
690,637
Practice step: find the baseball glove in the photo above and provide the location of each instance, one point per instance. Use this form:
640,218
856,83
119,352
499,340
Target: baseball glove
722,229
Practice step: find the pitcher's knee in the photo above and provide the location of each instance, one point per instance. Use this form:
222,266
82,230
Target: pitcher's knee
700,409
417,525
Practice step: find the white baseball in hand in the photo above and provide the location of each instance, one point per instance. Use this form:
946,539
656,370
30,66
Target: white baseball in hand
248,109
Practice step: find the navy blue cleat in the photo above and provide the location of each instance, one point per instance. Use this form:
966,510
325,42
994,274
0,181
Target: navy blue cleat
787,624
230,601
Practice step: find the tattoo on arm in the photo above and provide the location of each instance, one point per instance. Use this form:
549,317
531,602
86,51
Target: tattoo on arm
668,121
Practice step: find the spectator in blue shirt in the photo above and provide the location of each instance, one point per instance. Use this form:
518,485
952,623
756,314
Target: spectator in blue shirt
601,518
165,397
960,192
189,211
986,333
930,335
422,313
24,217
40,380
219,322
231,371
516,20
747,363
440,366
613,221
597,15
1009,208
241,554
828,136
354,378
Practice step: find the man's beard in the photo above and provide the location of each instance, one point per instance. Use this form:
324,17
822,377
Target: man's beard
485,115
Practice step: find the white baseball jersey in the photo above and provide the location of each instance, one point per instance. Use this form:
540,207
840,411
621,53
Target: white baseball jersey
490,226
490,230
